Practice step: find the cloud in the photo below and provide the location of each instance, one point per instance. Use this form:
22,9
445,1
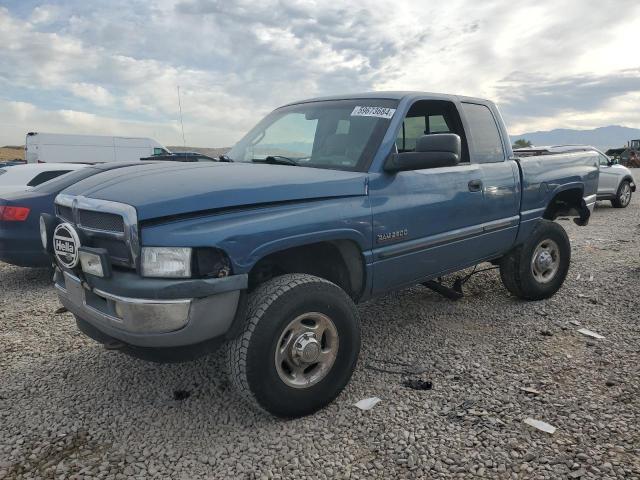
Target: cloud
95,93
578,101
544,62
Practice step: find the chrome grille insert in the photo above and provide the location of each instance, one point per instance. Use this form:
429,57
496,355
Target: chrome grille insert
108,222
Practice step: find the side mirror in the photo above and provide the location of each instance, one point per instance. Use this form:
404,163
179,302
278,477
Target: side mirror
432,151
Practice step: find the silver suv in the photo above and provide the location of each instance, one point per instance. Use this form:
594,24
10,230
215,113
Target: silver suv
616,181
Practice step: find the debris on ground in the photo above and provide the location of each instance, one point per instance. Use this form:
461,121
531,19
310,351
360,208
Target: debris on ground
590,333
530,390
417,384
540,425
61,310
367,403
181,394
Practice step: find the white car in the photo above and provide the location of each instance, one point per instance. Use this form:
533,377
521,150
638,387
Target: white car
18,178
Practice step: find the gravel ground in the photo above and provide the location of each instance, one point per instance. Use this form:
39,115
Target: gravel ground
69,408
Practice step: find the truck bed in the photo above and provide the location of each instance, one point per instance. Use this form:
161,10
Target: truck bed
545,177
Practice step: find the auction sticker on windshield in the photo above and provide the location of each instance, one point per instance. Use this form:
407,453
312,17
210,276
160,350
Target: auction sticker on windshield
380,112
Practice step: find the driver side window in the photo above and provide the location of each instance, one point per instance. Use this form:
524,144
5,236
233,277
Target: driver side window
415,127
430,117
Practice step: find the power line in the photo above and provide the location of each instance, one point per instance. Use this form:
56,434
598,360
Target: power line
184,143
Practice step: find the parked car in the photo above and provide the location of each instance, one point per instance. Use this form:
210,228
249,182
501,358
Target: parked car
327,202
181,157
20,216
616,181
25,177
61,148
11,163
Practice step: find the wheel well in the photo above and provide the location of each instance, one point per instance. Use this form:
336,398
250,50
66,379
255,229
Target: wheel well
567,203
630,180
339,261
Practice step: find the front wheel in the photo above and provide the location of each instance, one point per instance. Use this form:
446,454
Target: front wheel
537,269
299,346
623,195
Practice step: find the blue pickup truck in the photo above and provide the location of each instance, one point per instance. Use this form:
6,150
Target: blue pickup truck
324,203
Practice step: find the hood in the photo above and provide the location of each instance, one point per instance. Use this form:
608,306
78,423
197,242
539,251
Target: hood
161,190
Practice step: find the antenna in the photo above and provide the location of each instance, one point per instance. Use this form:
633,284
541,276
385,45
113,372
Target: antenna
184,143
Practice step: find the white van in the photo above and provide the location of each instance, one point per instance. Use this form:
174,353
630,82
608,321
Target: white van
60,148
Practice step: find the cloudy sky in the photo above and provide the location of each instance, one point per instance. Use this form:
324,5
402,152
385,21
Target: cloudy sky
113,67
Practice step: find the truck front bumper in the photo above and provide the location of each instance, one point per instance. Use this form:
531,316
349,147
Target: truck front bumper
156,313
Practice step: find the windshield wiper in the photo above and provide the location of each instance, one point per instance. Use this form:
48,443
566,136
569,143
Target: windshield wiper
225,158
277,159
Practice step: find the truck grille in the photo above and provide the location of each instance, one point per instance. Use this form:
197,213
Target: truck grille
65,213
115,230
108,222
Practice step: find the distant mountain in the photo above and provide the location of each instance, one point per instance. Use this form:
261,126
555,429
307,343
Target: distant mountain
603,138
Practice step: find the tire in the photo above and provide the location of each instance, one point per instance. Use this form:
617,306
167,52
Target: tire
281,312
623,195
530,280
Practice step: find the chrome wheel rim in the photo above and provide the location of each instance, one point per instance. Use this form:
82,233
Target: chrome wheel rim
306,350
545,261
625,194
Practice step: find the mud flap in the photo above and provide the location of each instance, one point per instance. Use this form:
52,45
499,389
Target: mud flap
585,214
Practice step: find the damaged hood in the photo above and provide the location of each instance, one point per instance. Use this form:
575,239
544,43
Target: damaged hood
164,189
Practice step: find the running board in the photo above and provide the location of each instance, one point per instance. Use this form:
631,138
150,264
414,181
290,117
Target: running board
452,293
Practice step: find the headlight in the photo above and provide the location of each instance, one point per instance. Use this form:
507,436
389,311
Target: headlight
166,262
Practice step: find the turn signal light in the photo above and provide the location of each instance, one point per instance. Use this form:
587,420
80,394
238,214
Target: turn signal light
14,214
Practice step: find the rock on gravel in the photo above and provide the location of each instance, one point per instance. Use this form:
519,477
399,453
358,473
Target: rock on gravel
70,409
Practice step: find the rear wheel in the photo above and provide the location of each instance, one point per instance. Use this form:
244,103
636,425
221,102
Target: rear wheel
537,269
623,195
299,346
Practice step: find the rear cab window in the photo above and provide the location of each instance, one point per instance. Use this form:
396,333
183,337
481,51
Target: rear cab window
486,142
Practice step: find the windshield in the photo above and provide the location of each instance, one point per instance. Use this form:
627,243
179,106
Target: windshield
337,134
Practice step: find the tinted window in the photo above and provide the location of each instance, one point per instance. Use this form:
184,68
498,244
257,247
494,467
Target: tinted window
59,184
45,177
485,138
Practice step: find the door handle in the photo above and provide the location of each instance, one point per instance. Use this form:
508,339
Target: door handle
475,185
